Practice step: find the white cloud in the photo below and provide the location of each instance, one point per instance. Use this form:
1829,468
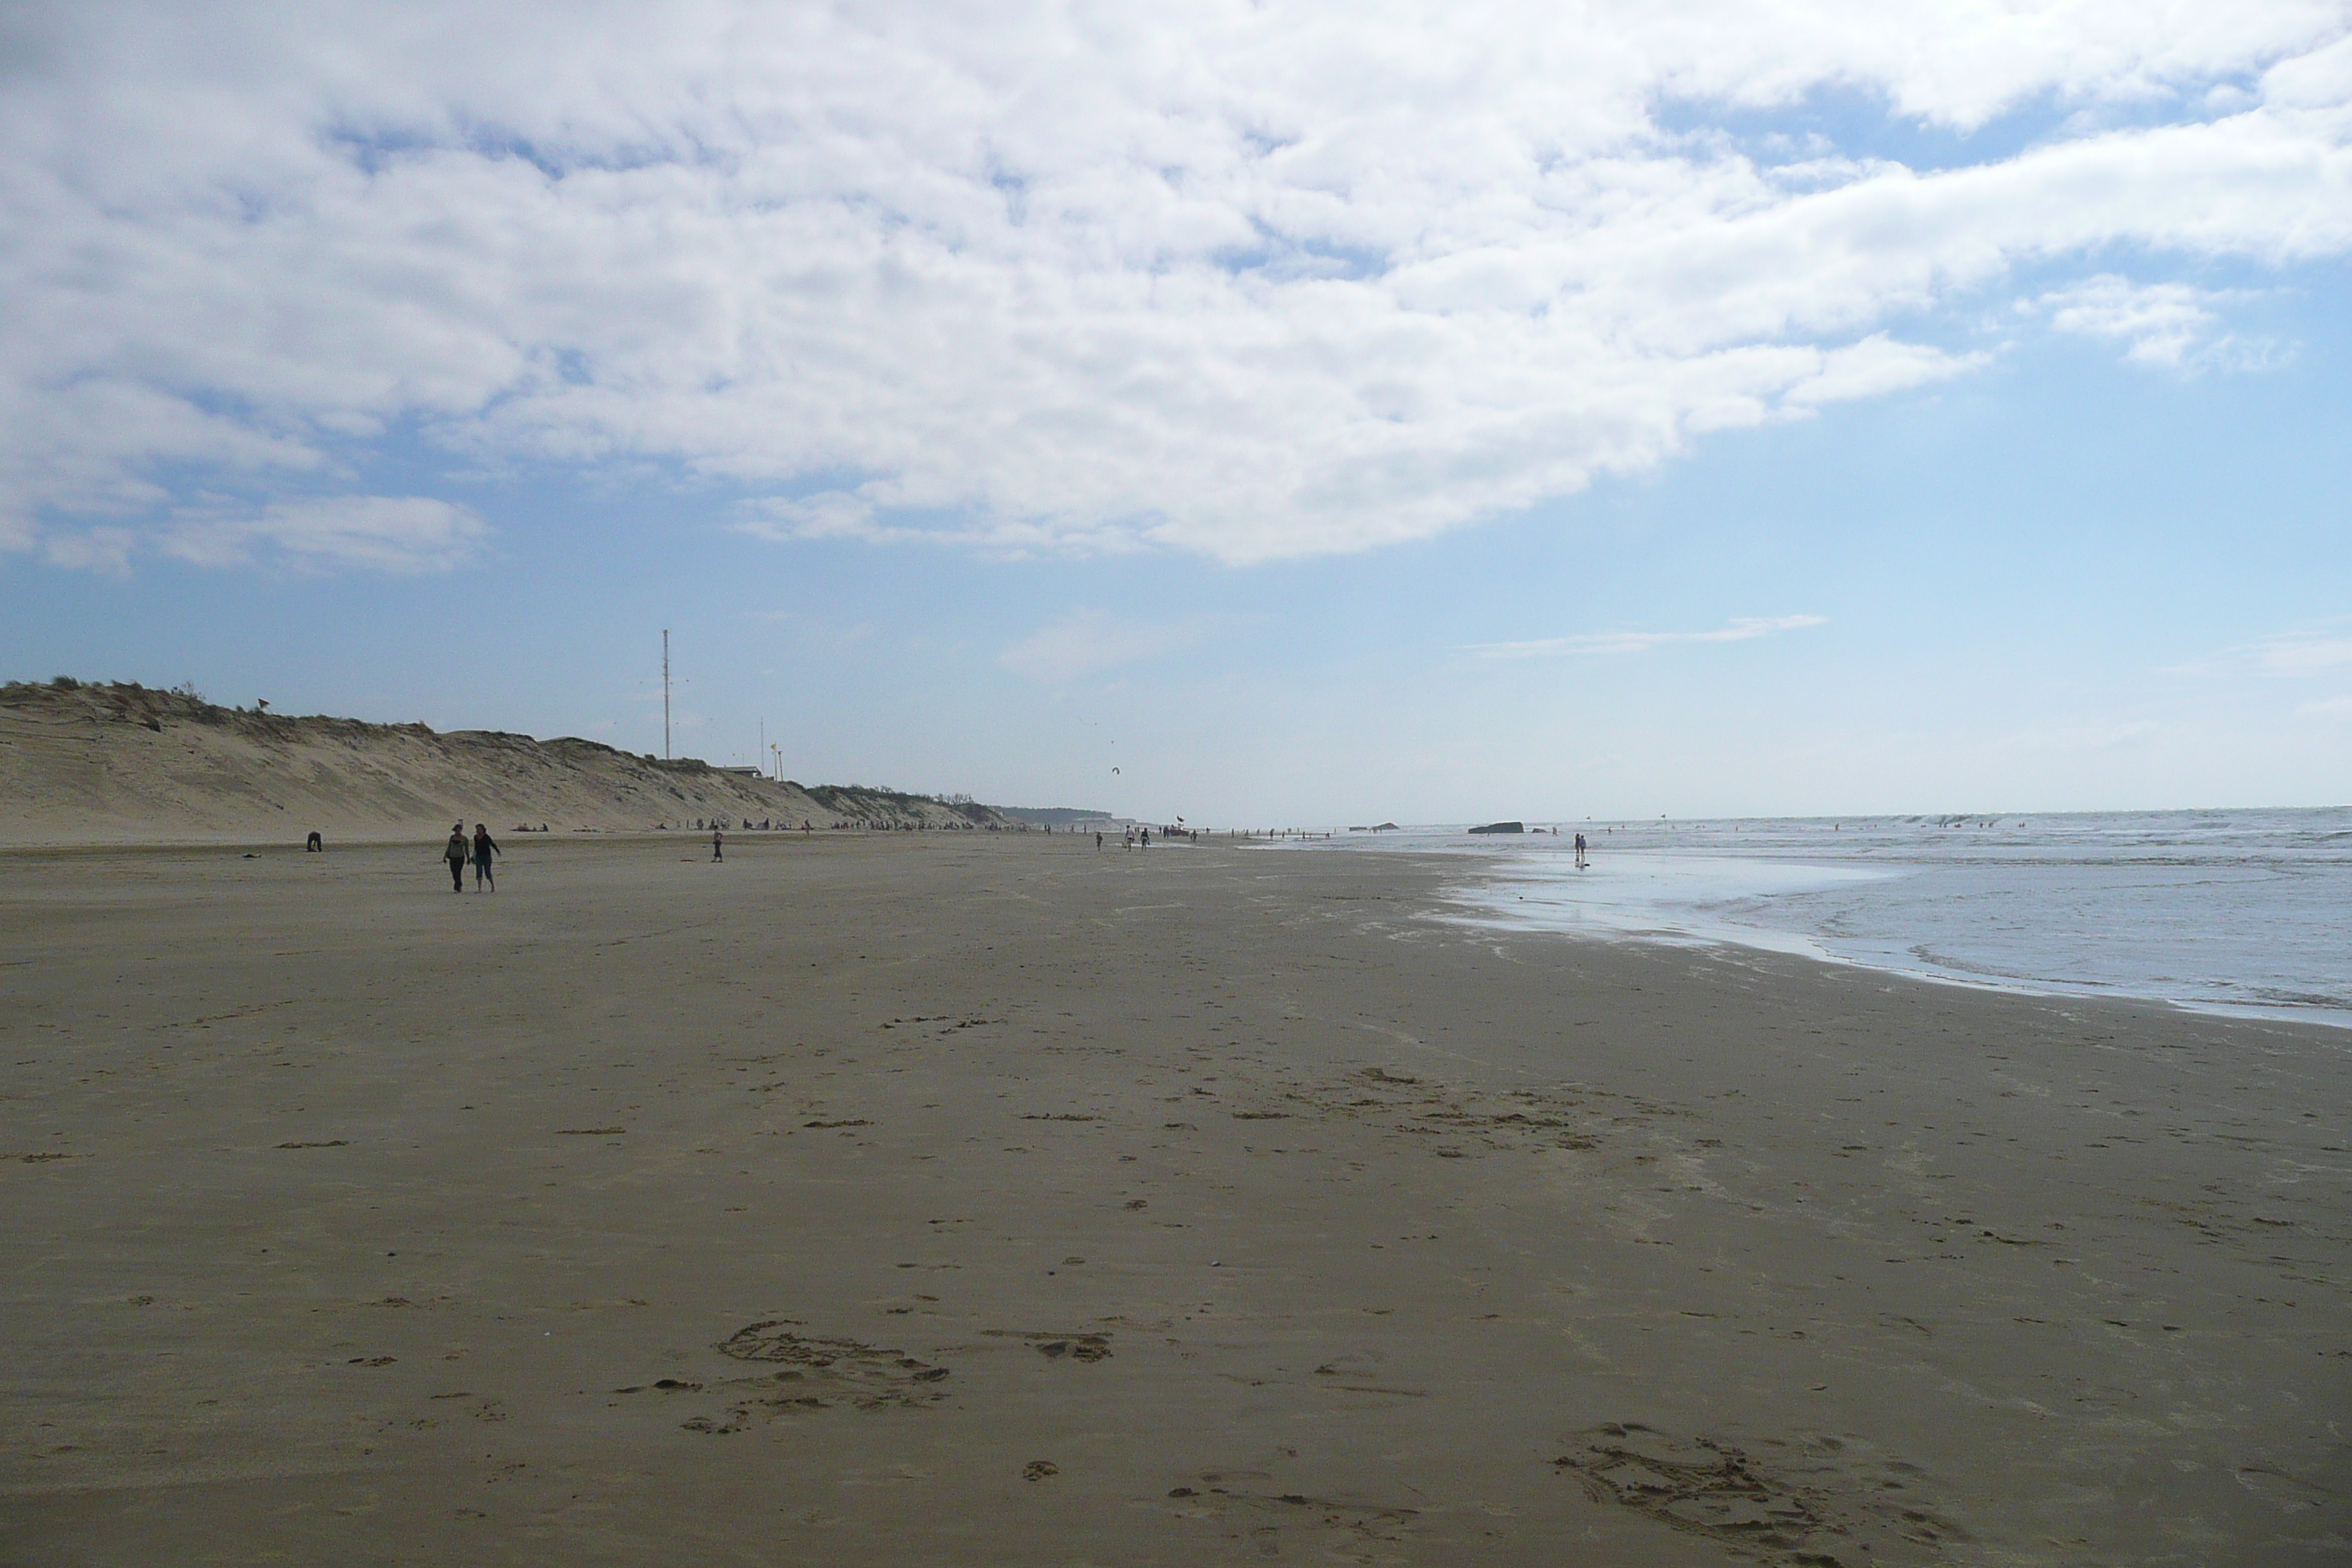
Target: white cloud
2303,656
1741,630
1874,367
2169,325
833,514
1251,282
1085,641
107,550
2294,656
378,533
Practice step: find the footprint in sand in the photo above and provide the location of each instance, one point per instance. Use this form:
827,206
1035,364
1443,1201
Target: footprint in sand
1522,1119
1816,1498
1282,1524
819,1374
1089,1347
1056,1346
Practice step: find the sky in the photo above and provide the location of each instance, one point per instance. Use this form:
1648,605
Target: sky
1266,413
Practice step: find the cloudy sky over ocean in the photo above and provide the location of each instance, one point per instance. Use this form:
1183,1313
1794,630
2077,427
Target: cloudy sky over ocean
1315,413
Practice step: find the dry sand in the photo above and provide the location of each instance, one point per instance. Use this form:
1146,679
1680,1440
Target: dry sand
990,1201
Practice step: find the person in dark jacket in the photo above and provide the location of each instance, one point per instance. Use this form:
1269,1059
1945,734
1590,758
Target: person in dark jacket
484,848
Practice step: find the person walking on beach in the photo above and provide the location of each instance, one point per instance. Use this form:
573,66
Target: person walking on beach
1097,843
485,846
1579,851
718,845
454,853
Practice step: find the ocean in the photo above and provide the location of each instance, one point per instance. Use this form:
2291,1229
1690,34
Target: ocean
2241,912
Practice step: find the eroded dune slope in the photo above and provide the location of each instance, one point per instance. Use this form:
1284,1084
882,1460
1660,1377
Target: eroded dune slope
88,763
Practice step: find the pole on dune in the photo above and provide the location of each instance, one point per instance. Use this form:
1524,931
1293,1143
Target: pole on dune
665,694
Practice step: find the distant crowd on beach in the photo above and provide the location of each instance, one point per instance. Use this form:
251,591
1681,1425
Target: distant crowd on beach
846,825
480,852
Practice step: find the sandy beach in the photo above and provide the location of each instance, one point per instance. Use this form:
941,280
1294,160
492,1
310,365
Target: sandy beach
984,1199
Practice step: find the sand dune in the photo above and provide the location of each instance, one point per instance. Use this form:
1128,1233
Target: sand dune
96,763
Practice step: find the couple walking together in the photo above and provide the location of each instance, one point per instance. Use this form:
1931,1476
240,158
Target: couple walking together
480,852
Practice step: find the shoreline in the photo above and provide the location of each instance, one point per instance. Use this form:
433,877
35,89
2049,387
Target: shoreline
1804,950
1864,912
1261,1208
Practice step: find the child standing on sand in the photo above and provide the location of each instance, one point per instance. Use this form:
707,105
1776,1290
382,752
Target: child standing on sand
717,846
484,848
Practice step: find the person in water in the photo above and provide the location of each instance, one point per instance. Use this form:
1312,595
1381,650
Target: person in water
485,846
454,853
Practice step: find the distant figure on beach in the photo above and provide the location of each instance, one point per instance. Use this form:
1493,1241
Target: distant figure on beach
1580,852
1097,843
457,854
485,846
718,845
314,845
1129,841
1146,838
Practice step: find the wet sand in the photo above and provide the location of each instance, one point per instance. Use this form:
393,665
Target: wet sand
983,1200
